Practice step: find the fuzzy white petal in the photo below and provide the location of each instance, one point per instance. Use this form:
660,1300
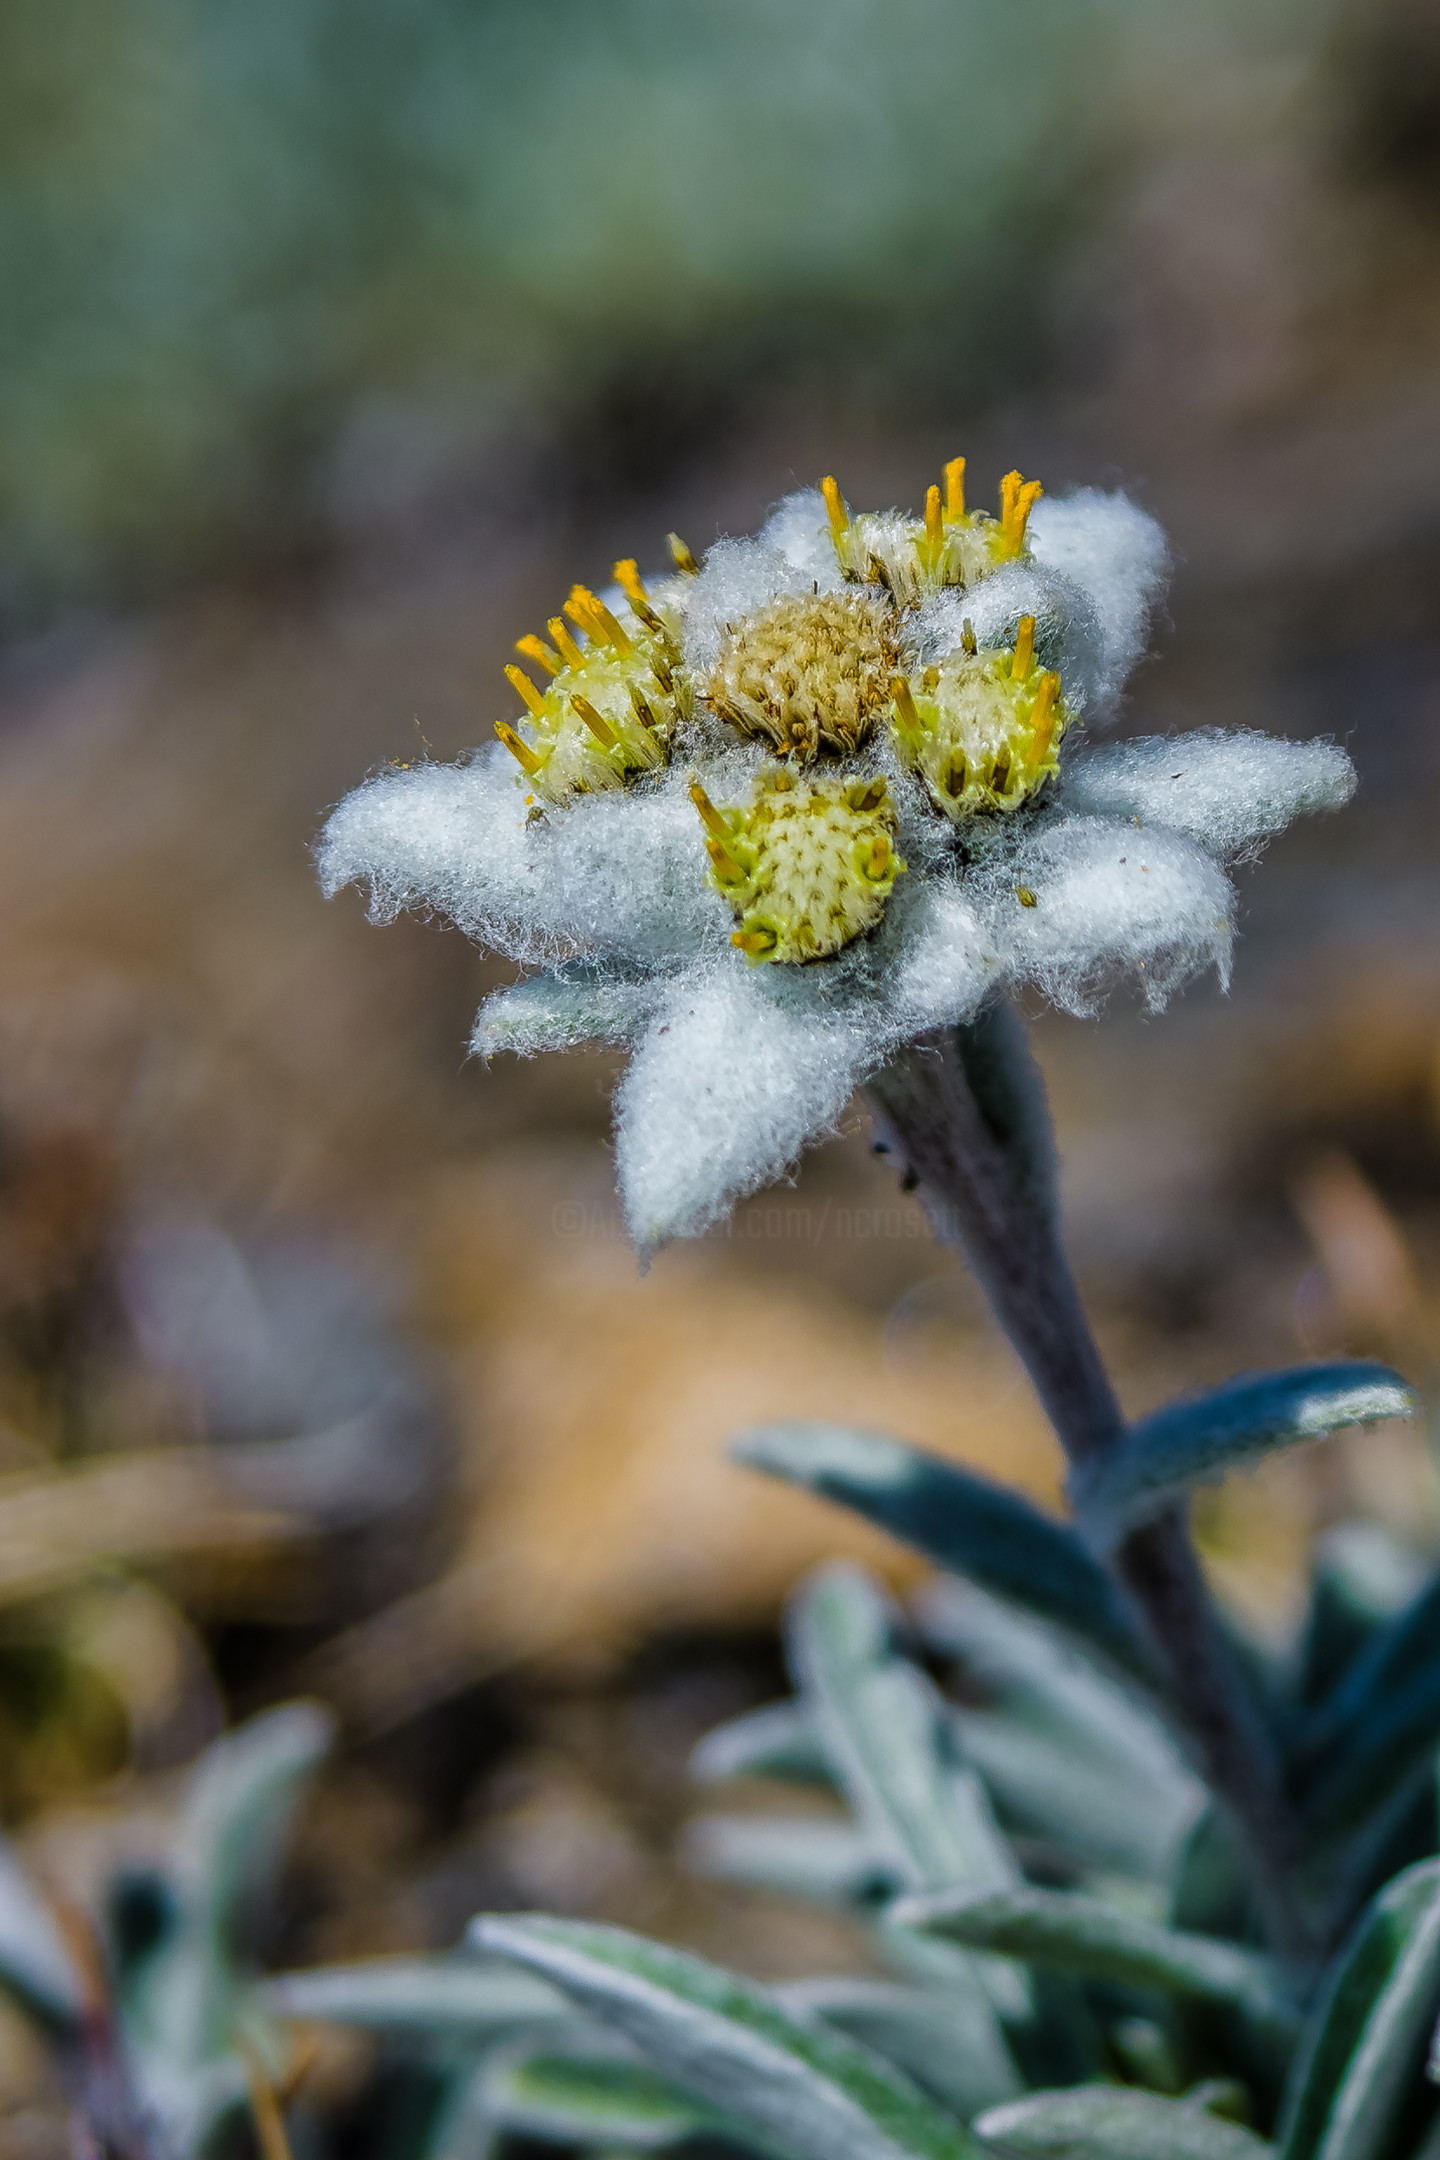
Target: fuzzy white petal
621,874
946,967
1109,902
560,1012
1118,553
738,1074
799,527
1229,791
449,837
624,874
1068,635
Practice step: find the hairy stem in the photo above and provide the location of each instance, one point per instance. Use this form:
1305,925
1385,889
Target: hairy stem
967,1118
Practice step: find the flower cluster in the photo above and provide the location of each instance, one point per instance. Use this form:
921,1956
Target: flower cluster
768,818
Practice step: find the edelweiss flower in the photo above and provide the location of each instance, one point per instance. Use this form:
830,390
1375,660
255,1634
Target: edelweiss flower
768,819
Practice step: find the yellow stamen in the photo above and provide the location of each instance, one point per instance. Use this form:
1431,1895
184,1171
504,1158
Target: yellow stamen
905,704
642,710
1043,716
836,512
519,680
865,795
1018,498
596,620
967,638
754,941
724,862
1024,658
519,749
601,729
710,817
681,556
627,576
878,861
1027,898
535,649
934,526
570,652
955,490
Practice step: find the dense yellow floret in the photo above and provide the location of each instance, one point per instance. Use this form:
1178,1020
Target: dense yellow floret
805,869
982,729
611,704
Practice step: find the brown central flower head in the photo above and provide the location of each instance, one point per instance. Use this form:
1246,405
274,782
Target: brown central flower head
807,673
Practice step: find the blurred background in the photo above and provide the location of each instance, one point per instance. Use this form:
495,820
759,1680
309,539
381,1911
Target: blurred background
338,337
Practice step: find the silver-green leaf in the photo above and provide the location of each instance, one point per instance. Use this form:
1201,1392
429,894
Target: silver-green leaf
788,2080
884,1729
1087,1935
1112,2122
964,1522
592,2097
1162,1456
1115,2122
1367,2036
457,1999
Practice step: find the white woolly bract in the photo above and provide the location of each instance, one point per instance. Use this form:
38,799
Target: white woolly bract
561,1012
619,873
1229,791
799,527
736,1078
1118,555
447,837
948,967
1106,900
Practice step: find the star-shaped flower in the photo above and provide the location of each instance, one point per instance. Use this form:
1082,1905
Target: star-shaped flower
768,819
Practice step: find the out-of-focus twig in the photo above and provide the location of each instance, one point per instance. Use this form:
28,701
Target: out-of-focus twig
57,1526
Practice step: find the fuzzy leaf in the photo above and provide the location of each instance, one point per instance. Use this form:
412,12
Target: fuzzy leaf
455,1998
241,1800
1088,1936
1115,2122
800,1855
560,1012
798,2084
775,1741
1366,2040
1072,1752
1377,1723
882,1726
237,1814
587,2099
1164,1454
960,1520
35,1966
946,2040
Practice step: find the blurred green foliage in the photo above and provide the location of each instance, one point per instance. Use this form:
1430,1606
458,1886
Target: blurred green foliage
229,236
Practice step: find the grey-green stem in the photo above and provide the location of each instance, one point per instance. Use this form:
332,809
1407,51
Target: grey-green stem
966,1116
